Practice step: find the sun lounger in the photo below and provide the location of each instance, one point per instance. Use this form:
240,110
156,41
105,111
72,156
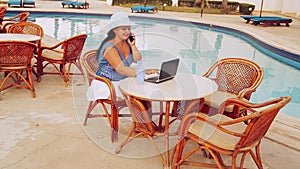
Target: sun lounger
14,3
74,4
144,9
271,21
29,2
249,18
267,20
84,5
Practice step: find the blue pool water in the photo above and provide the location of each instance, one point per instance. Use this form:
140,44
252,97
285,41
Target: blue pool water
198,47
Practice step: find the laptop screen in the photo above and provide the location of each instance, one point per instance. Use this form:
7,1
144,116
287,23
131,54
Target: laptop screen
168,69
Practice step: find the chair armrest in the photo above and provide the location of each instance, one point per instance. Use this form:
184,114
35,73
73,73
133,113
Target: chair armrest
110,86
52,47
250,107
219,123
245,93
12,18
209,71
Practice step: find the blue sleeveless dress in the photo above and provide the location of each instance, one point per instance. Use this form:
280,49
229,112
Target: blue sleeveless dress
105,69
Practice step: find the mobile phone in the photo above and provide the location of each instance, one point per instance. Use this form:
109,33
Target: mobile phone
131,38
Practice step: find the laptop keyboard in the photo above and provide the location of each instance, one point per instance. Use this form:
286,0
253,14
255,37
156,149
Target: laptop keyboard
152,76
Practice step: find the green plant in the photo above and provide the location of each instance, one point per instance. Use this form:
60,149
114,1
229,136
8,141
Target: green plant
246,8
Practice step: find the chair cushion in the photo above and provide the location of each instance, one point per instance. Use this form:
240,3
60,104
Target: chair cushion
215,136
217,98
52,55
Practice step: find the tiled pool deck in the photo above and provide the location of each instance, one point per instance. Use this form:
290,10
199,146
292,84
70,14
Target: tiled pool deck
44,132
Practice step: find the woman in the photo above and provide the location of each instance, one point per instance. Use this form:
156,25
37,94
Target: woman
116,53
115,56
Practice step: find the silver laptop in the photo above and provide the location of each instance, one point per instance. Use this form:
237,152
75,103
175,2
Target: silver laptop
168,71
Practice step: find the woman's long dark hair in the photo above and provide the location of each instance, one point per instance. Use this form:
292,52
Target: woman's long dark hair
110,35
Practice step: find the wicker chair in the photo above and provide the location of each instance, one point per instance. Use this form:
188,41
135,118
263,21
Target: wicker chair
236,78
2,13
27,28
15,59
21,17
63,53
90,63
221,135
142,125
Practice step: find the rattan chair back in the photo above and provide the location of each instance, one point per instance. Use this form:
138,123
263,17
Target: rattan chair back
141,119
20,17
142,124
236,74
27,28
90,63
73,47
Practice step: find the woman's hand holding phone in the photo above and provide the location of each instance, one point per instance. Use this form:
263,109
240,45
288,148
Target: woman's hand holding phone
131,38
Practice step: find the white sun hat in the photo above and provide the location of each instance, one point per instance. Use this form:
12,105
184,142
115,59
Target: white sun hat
120,19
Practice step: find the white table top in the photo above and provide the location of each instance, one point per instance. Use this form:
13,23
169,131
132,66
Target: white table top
182,87
18,37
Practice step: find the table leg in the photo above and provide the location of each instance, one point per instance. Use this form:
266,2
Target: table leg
39,68
167,115
114,125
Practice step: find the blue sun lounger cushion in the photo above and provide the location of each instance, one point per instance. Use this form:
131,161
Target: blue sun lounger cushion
74,4
267,20
144,9
14,3
249,18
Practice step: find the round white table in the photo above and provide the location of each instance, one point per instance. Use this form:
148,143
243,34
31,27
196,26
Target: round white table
19,37
183,87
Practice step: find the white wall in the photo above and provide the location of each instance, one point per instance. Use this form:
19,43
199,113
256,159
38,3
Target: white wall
285,6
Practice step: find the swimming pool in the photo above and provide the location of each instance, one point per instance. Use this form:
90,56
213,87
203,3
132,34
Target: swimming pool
197,45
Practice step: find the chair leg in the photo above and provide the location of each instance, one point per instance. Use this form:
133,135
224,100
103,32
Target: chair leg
157,149
91,106
114,123
30,83
177,154
66,74
257,157
128,139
